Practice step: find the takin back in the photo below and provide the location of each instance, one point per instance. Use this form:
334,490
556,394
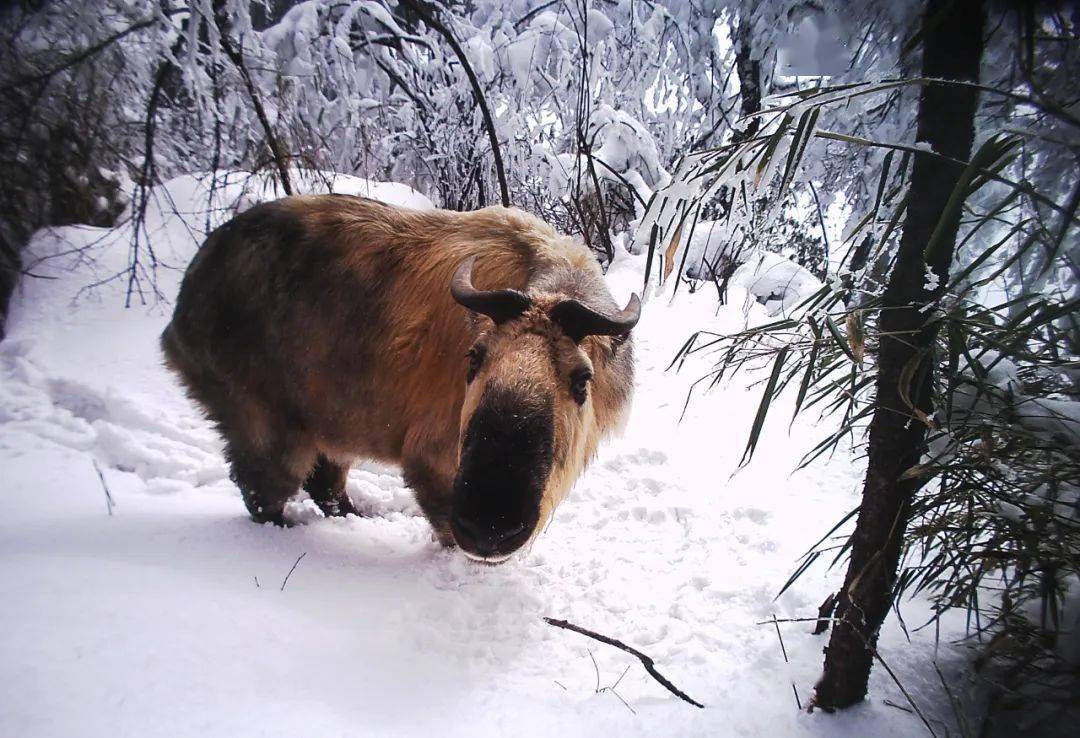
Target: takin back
481,352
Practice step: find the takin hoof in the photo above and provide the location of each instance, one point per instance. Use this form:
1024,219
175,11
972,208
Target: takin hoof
338,508
274,518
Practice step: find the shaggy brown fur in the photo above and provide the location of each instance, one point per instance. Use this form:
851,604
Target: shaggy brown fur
319,330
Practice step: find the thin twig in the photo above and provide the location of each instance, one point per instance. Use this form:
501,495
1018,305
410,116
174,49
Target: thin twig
875,654
619,696
781,638
84,54
619,680
596,670
427,15
796,620
954,702
295,564
646,661
776,624
600,690
109,503
236,56
903,690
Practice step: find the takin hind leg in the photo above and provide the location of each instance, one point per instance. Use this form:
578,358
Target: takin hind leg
266,483
326,485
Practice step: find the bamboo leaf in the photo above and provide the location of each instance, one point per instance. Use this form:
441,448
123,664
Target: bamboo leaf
838,336
812,554
770,147
885,165
1066,221
811,363
803,132
763,407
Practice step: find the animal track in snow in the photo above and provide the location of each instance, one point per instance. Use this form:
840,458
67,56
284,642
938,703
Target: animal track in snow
752,514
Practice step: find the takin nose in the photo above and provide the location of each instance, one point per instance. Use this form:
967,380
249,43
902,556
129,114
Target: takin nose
488,538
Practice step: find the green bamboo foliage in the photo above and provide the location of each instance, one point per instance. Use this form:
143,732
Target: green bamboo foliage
996,526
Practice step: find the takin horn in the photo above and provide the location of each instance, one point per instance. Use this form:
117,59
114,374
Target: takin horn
499,305
578,321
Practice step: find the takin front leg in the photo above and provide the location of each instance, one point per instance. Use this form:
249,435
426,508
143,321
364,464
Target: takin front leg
326,485
265,482
433,493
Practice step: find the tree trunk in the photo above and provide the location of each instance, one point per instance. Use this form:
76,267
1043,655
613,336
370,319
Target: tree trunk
952,48
10,264
749,70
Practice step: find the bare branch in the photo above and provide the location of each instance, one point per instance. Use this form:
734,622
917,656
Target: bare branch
237,58
478,92
646,661
295,564
109,503
81,56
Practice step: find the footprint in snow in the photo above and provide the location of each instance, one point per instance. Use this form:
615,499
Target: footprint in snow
753,514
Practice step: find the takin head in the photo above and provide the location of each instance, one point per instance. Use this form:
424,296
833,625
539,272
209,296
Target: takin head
529,421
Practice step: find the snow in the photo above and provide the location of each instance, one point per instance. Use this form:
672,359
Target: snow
627,153
481,56
598,26
532,49
259,189
777,283
932,280
1000,397
166,613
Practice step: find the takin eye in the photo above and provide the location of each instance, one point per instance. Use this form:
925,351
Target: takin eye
476,359
579,385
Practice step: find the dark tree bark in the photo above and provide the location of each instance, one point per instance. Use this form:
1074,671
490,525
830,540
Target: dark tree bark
10,264
749,70
952,48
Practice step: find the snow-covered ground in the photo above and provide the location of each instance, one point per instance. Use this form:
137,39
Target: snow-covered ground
165,612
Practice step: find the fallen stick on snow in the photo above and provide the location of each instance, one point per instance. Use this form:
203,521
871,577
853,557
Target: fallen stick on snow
646,661
286,579
108,496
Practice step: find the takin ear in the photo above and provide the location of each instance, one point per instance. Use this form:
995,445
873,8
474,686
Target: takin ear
499,305
578,321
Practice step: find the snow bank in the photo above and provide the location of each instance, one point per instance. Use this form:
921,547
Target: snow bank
305,182
1000,398
772,280
624,153
777,283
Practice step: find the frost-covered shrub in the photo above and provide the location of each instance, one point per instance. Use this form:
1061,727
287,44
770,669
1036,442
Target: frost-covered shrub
590,102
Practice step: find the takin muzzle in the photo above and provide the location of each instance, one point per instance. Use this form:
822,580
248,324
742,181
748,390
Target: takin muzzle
506,458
